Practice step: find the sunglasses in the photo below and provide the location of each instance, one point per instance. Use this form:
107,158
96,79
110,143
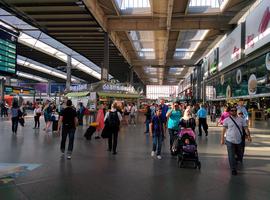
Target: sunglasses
233,110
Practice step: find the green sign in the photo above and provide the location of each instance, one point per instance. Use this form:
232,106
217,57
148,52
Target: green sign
7,53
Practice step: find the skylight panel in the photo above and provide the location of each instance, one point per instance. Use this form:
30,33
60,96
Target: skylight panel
206,6
134,6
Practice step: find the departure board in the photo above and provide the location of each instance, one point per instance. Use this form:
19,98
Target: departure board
7,53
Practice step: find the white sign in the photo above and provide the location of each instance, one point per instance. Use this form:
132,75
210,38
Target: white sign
116,87
230,49
77,88
258,27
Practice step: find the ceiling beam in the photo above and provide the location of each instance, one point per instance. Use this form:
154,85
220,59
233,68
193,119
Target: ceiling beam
101,18
181,23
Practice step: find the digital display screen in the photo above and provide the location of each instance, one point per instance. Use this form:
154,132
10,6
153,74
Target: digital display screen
7,53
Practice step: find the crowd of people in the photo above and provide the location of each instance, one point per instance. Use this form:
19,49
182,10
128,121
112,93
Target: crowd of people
159,119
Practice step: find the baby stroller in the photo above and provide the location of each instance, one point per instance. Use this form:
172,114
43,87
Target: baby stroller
187,149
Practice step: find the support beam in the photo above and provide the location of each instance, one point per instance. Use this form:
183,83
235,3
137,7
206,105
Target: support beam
105,65
68,81
181,23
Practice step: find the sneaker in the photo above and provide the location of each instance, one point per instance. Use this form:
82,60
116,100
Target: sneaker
69,157
97,137
159,157
152,153
114,153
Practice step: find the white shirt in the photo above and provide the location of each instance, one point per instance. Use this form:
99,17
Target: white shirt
112,110
233,134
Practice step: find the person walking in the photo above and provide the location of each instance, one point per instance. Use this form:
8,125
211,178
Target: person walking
224,115
173,116
132,114
15,114
100,121
232,127
37,114
112,120
243,109
202,115
147,118
157,130
68,120
187,121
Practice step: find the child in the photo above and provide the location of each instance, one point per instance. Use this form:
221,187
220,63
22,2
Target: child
157,130
190,148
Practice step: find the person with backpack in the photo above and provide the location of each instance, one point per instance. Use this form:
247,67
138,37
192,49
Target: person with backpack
112,121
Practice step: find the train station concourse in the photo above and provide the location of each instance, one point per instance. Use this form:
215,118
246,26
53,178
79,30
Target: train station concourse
134,99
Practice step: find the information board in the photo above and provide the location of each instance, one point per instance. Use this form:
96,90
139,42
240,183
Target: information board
7,53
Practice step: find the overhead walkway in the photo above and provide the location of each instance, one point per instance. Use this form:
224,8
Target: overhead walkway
93,173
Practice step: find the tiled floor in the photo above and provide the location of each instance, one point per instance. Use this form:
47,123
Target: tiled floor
93,173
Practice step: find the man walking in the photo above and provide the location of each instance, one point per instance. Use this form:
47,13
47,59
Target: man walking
233,126
69,121
202,115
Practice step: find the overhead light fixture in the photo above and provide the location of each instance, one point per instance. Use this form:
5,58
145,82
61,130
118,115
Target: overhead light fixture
26,62
32,77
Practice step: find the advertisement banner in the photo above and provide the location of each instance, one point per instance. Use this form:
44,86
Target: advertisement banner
230,49
213,61
39,87
258,27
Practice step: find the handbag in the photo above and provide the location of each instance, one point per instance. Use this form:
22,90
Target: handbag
106,133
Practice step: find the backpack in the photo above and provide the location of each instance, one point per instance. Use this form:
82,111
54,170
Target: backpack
113,120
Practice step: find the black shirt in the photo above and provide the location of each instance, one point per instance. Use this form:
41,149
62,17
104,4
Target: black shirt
69,114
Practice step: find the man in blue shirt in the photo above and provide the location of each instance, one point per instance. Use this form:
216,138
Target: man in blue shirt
202,115
242,108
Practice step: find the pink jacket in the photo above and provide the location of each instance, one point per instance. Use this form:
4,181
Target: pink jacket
100,120
223,117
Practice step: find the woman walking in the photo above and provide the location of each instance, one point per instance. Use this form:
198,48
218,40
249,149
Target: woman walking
37,114
100,121
15,112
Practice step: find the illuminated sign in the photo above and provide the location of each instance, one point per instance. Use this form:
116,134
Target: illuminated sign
19,90
7,53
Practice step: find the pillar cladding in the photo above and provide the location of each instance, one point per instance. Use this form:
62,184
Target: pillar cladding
2,87
8,81
68,82
105,65
131,81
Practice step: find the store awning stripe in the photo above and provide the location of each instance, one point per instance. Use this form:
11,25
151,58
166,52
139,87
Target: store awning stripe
77,94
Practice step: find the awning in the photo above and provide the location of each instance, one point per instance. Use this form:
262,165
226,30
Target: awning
77,94
118,95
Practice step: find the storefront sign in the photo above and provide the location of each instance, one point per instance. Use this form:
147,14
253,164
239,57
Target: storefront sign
117,87
230,49
19,90
77,88
7,53
258,27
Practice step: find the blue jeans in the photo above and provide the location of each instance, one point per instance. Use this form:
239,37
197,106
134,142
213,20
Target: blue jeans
147,122
70,133
157,142
234,150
